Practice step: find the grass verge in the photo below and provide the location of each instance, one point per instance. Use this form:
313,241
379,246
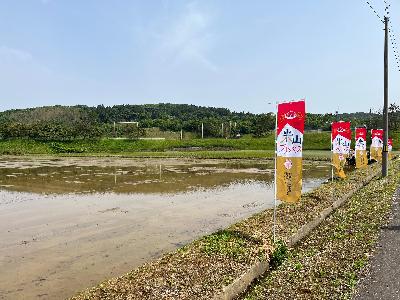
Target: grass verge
328,263
314,155
312,141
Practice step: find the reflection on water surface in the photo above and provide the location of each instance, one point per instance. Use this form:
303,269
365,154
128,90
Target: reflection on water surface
67,224
46,176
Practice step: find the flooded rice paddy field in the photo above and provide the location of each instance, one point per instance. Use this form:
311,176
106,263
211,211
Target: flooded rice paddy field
66,224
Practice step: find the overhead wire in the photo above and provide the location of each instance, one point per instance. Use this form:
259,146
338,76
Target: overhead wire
394,45
392,34
369,3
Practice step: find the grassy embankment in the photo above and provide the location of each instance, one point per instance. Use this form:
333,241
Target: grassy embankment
329,262
200,269
196,148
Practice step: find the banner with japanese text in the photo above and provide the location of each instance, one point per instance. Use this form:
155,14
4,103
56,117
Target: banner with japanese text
376,144
289,150
390,148
361,147
341,141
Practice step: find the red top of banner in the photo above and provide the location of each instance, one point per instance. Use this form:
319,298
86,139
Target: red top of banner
377,133
361,132
342,128
292,113
390,142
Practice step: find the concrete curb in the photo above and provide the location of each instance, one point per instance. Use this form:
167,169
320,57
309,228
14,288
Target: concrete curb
307,228
240,284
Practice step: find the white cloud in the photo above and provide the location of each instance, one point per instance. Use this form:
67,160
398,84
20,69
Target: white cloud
21,60
21,55
22,77
188,39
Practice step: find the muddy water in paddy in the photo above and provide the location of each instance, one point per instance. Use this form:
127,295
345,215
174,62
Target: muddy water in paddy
67,224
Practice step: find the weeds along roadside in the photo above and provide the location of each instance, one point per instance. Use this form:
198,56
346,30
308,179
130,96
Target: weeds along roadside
329,262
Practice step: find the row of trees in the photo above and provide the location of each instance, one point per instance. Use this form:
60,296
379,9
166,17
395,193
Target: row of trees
83,122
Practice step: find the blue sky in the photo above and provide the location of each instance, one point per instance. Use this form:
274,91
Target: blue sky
237,54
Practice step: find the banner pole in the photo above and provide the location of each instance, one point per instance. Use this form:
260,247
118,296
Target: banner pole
275,156
331,155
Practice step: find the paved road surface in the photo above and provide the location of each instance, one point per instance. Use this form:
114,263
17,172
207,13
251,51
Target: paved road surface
383,280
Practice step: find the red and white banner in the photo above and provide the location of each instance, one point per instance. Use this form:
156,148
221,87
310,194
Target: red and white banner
341,137
361,138
289,150
361,147
290,129
376,144
341,141
377,138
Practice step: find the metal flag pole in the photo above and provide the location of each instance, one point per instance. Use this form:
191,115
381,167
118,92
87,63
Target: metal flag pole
275,190
331,154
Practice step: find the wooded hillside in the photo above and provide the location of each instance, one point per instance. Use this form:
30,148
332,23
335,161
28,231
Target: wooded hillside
83,122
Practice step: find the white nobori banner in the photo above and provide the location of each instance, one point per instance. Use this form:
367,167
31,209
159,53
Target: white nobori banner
377,142
361,144
289,142
341,145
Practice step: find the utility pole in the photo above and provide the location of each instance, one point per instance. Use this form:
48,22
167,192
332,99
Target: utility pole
202,130
385,103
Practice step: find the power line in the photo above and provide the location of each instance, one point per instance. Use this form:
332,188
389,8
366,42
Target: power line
394,45
391,31
374,10
392,35
386,8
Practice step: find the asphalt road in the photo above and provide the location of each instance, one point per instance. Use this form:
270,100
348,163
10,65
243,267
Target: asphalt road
383,278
